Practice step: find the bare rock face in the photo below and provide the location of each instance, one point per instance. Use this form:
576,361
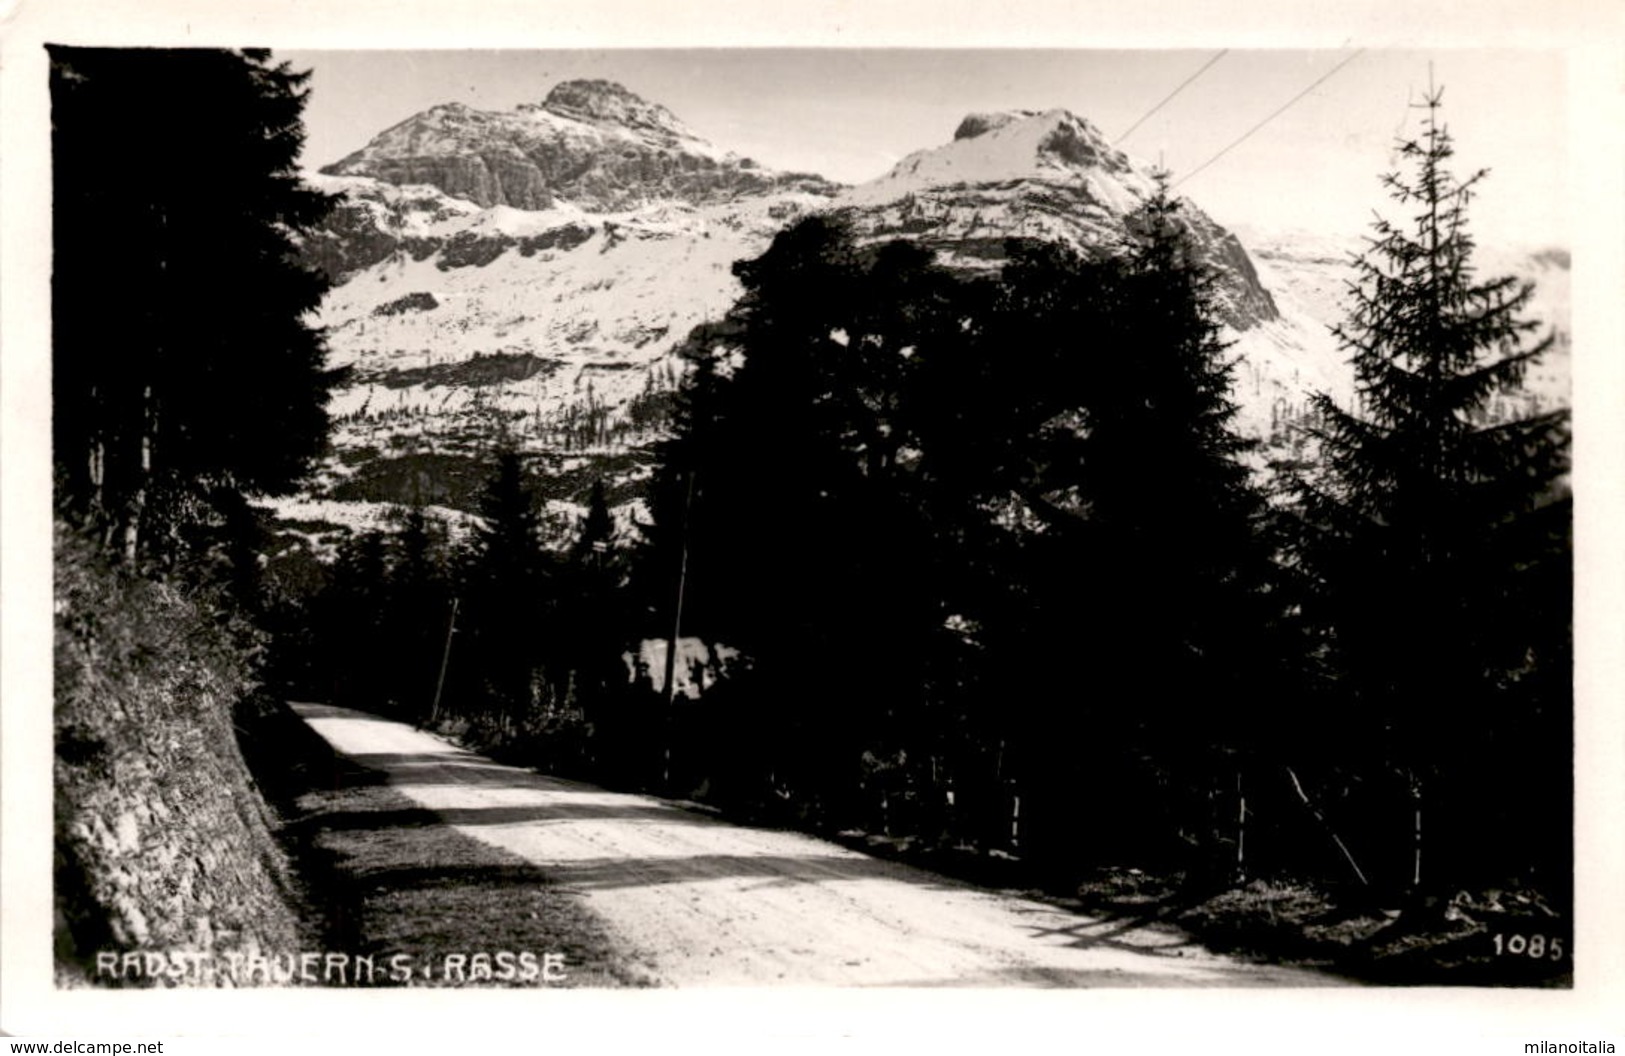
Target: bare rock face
591,144
608,102
976,124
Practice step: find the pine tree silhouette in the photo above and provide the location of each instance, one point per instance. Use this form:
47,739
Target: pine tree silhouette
597,527
784,498
1134,640
183,364
418,600
508,597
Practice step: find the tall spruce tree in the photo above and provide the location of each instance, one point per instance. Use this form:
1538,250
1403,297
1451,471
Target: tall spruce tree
506,597
355,650
782,498
419,599
592,632
184,365
1435,540
597,528
1163,469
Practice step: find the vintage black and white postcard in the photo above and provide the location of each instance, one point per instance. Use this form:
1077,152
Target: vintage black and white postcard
550,515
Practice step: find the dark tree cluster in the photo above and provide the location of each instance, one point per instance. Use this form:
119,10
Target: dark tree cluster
488,633
1001,573
987,537
185,373
186,379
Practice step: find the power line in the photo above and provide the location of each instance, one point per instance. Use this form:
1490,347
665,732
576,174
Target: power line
1404,120
1182,85
1275,114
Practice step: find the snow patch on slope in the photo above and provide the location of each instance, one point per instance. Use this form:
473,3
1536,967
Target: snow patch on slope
560,328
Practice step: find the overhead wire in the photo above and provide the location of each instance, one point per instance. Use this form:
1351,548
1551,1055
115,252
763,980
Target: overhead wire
1283,108
1169,97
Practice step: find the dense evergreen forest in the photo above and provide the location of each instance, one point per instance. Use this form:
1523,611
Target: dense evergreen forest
980,561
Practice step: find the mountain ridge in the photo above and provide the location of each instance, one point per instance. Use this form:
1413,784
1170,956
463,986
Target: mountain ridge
589,143
559,326
1046,174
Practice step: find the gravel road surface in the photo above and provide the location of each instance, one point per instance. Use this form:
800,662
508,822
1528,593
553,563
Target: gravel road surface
693,901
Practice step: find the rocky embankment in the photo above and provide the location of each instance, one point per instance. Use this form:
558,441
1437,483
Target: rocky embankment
165,869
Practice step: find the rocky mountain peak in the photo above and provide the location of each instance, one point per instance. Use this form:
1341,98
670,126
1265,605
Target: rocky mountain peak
976,124
1074,142
1012,145
1046,174
606,102
591,144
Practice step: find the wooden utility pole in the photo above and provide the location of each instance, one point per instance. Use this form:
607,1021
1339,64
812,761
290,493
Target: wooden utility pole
1416,833
1241,830
676,632
445,658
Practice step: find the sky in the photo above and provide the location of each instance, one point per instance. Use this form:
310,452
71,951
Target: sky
851,113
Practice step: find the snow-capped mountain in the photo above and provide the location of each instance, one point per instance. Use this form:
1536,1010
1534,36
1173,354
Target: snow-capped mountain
556,328
528,274
1052,175
531,273
1048,175
539,317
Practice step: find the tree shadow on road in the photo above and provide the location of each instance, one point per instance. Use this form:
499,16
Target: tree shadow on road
402,875
521,814
359,847
366,848
616,872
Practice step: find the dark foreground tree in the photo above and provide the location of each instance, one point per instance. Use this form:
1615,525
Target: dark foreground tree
184,365
417,613
784,505
353,641
594,624
1138,649
969,531
1436,546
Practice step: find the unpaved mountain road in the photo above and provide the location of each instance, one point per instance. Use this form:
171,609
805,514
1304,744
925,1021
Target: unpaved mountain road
692,901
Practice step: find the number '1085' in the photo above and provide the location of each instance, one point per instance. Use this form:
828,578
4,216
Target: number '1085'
1534,947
